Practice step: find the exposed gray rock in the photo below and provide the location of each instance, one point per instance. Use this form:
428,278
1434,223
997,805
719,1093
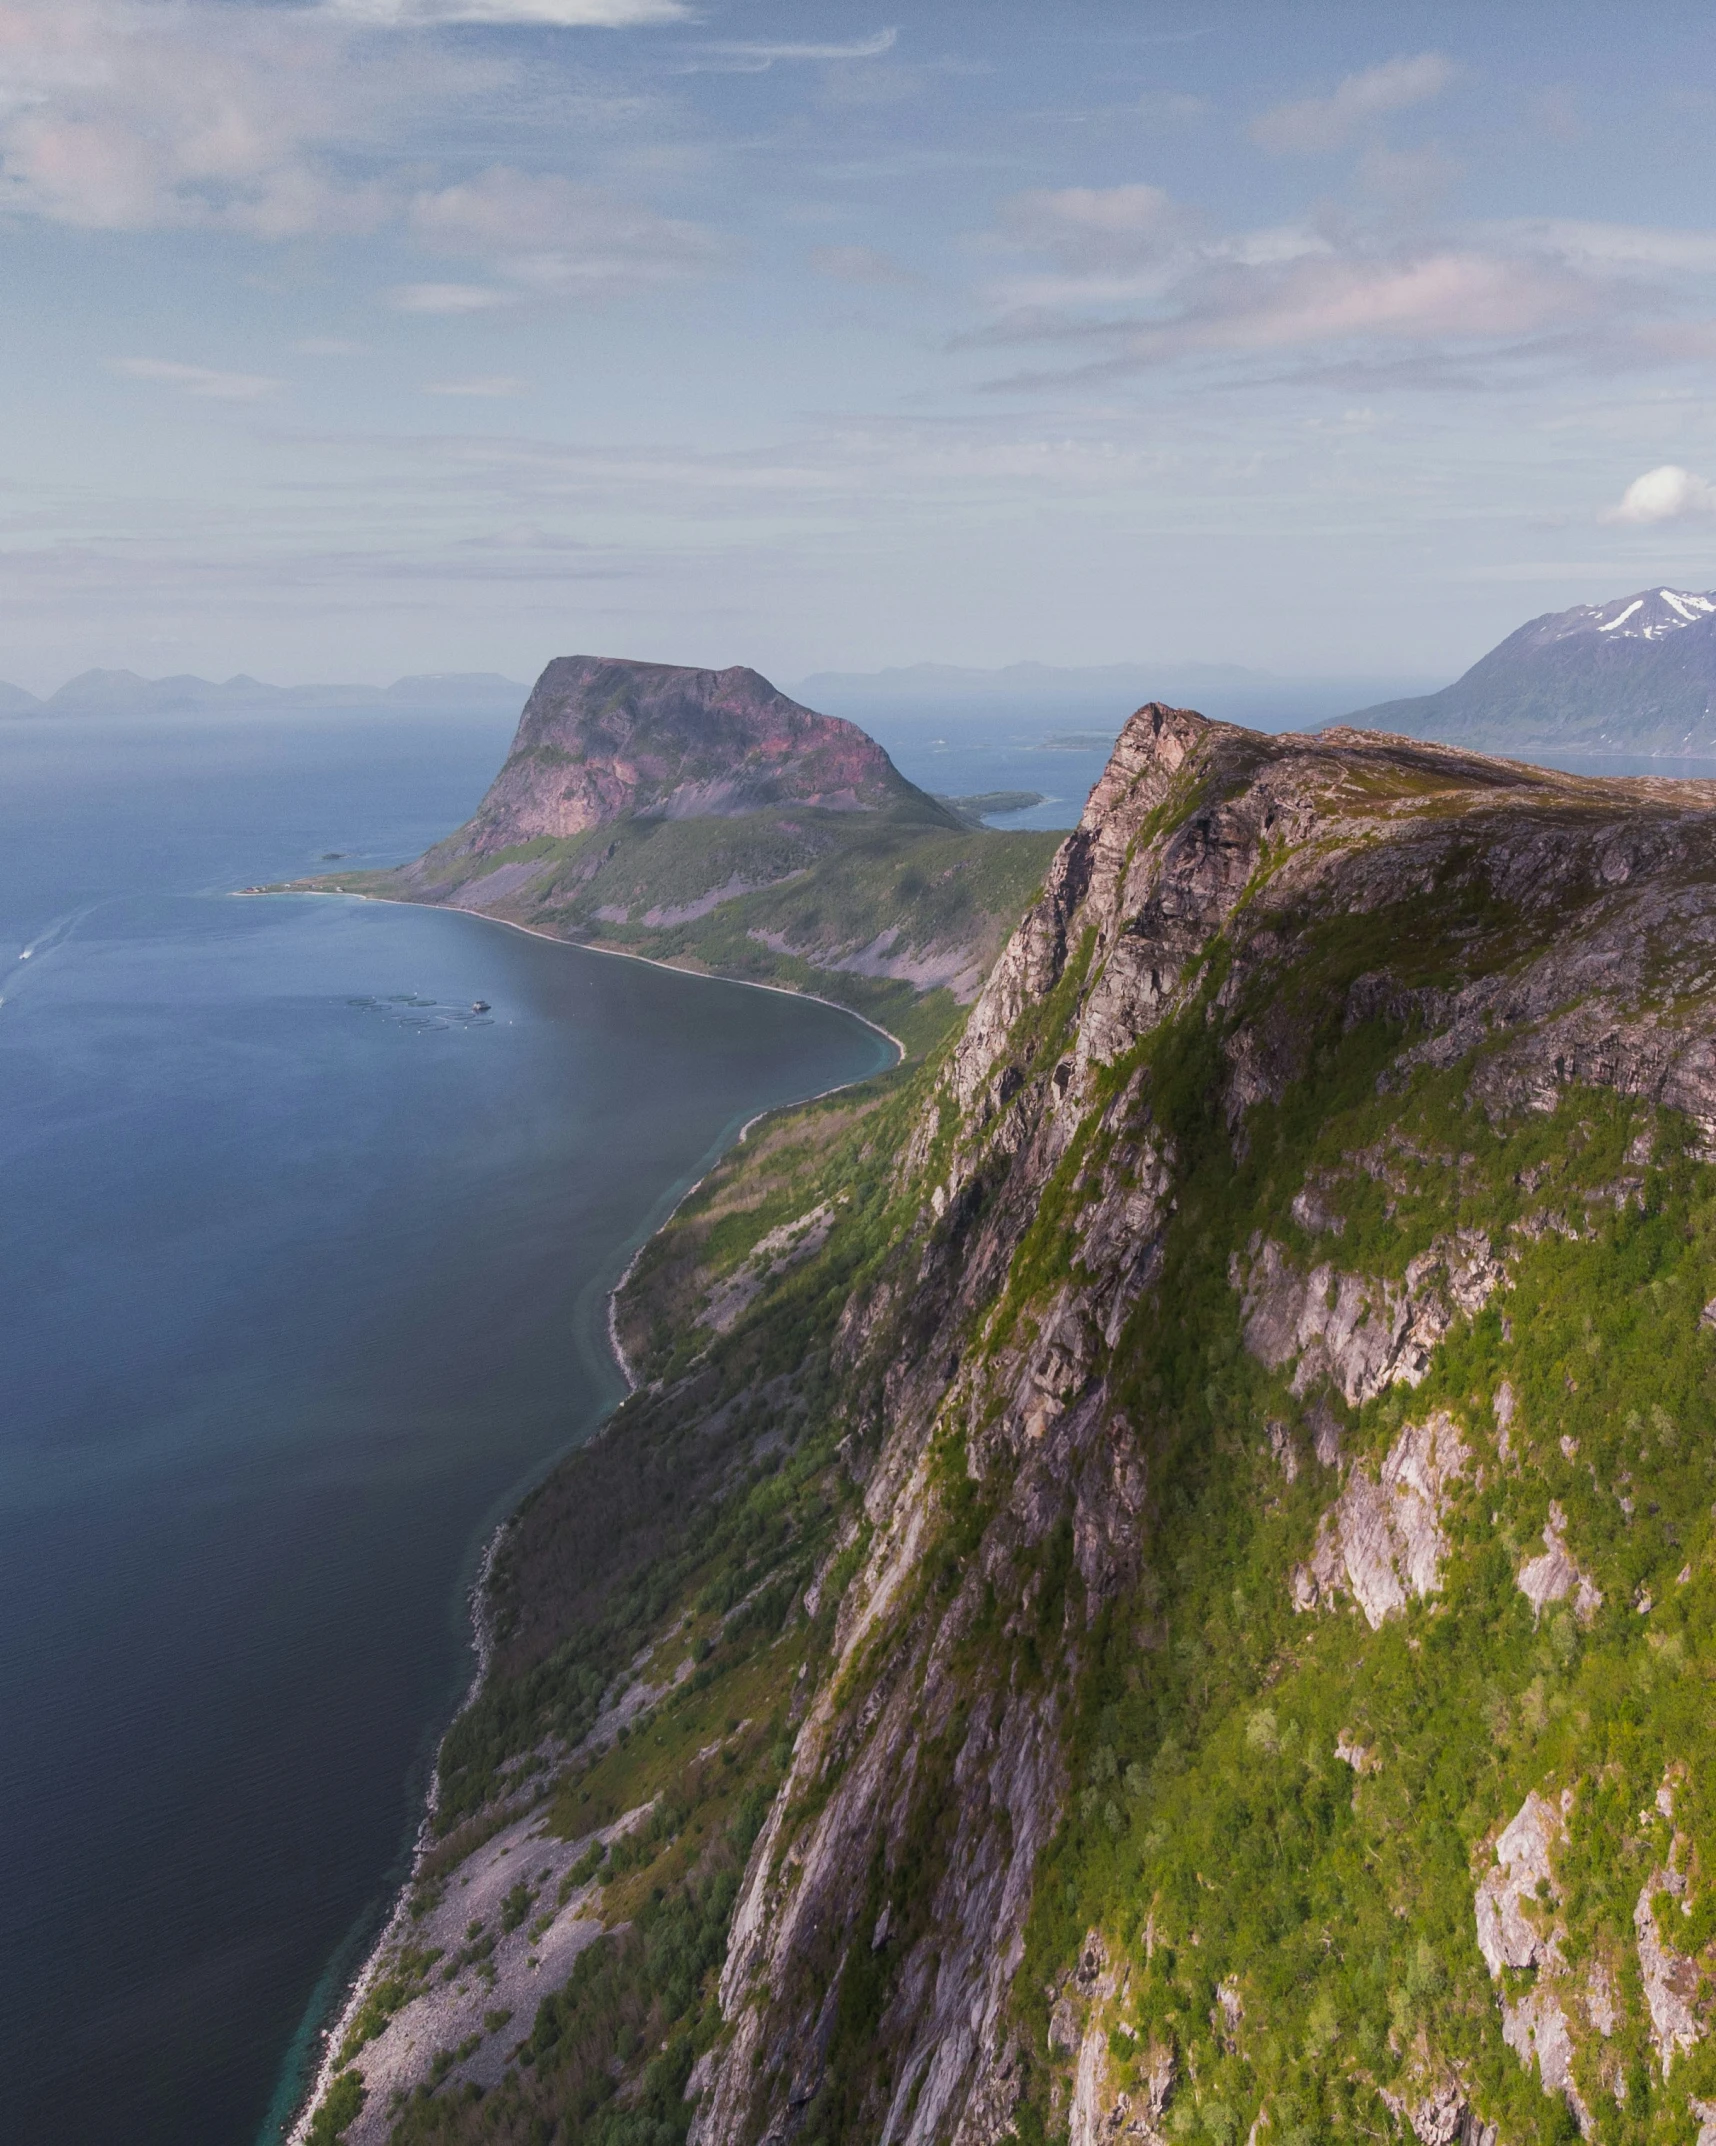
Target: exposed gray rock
1554,1576
1362,1333
770,1257
1443,2118
1671,1981
1510,1917
1517,1928
1382,1541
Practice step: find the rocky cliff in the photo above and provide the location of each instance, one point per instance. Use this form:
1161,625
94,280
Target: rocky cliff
601,739
1203,1514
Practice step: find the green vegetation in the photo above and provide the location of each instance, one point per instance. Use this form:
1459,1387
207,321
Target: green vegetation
1214,1833
779,896
343,2102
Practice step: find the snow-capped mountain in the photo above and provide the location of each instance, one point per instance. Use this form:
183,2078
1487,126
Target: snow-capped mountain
1645,617
1635,675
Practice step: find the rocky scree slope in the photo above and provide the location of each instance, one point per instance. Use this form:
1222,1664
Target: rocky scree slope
704,818
1210,1483
1635,675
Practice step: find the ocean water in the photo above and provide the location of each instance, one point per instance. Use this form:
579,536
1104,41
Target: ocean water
302,1278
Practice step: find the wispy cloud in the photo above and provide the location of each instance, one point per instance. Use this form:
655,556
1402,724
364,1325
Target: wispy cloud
1319,124
449,297
482,387
553,14
549,235
203,381
859,264
1144,281
127,116
1668,494
756,57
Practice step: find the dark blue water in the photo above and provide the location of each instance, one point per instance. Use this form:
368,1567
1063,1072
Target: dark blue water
302,1274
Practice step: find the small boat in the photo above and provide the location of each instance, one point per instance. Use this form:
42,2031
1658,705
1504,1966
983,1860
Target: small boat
479,1005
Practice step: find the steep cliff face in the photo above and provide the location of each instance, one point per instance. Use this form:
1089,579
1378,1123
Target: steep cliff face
600,739
1197,1564
1220,1172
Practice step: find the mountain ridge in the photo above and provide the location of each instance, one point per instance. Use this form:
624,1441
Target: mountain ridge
1636,674
108,692
1159,1581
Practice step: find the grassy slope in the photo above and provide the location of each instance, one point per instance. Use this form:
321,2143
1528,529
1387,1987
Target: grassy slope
827,884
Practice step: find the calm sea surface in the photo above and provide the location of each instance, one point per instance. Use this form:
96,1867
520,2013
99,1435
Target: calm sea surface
302,1276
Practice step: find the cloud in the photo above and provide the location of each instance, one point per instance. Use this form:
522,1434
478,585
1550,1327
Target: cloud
1319,124
449,297
1097,227
858,264
758,57
554,14
330,346
202,381
132,115
1668,494
1626,248
485,387
1143,278
550,235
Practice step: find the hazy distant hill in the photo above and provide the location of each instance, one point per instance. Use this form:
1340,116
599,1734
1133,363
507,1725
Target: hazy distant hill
125,693
1636,675
1100,696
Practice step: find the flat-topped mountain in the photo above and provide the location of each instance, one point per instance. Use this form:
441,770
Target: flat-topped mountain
1637,675
701,817
604,739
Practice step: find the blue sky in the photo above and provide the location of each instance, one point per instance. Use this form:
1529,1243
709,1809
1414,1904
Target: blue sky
368,336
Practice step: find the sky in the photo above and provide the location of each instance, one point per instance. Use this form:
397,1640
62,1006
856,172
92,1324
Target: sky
347,338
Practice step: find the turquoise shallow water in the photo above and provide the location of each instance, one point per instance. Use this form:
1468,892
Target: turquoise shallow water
303,1268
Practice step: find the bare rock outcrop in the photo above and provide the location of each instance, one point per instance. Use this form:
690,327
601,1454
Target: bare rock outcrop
1361,1332
1517,1928
601,737
1554,1576
1382,1541
1672,1982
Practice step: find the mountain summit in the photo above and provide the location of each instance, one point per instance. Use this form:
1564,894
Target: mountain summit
603,738
1637,674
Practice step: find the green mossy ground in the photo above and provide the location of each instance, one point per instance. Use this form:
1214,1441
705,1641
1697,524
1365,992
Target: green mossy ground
827,883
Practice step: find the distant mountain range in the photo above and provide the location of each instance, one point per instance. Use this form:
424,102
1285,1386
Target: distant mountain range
1637,675
125,693
1104,694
